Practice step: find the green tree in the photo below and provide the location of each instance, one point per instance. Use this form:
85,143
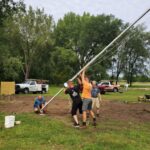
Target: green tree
12,68
29,33
132,54
63,65
7,9
86,35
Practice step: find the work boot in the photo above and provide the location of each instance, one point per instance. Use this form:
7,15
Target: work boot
83,126
94,121
97,115
76,125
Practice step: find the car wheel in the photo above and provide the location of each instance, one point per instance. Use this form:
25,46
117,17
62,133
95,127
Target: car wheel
115,90
43,90
102,92
26,91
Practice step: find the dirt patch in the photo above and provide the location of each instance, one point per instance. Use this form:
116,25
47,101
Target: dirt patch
129,112
60,108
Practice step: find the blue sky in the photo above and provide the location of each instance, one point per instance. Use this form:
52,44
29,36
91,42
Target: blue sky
127,10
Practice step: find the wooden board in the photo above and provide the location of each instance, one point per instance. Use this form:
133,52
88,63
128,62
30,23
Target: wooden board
7,88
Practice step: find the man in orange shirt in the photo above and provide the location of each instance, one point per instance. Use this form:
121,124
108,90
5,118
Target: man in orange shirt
86,99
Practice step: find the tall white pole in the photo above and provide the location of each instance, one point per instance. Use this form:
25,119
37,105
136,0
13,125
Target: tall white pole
108,46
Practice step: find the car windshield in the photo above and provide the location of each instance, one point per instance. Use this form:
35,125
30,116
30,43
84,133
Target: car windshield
27,82
105,83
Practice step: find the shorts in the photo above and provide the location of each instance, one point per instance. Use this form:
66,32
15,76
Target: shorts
87,104
95,102
76,106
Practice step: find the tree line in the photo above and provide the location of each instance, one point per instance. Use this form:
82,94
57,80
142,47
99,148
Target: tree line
33,45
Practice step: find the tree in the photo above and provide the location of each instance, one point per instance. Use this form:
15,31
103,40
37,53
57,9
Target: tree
86,35
30,32
12,68
119,58
132,54
136,54
63,62
7,9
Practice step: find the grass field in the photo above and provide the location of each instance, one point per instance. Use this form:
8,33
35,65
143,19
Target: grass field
50,133
42,132
141,84
130,96
138,89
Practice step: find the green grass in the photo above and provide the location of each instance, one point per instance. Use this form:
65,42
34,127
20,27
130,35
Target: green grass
131,95
140,86
53,90
47,133
141,83
136,84
43,132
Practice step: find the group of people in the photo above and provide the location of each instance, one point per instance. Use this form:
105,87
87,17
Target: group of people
84,103
90,96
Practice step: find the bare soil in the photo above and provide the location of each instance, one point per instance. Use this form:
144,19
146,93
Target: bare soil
60,108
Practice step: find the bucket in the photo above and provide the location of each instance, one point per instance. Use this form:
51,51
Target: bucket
9,121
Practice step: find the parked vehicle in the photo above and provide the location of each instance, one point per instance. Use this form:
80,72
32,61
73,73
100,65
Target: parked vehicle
102,89
32,86
108,86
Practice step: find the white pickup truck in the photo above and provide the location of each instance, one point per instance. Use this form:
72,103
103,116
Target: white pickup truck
32,86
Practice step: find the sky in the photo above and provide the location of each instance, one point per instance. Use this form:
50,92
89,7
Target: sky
127,10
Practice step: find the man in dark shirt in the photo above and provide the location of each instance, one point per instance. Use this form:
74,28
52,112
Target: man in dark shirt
74,92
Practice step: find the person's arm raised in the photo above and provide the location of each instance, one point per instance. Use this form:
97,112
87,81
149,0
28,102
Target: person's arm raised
79,81
83,76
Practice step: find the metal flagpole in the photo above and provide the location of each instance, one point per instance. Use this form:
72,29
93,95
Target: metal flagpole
91,61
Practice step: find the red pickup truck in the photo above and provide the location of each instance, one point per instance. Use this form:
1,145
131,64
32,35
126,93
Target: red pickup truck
108,86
